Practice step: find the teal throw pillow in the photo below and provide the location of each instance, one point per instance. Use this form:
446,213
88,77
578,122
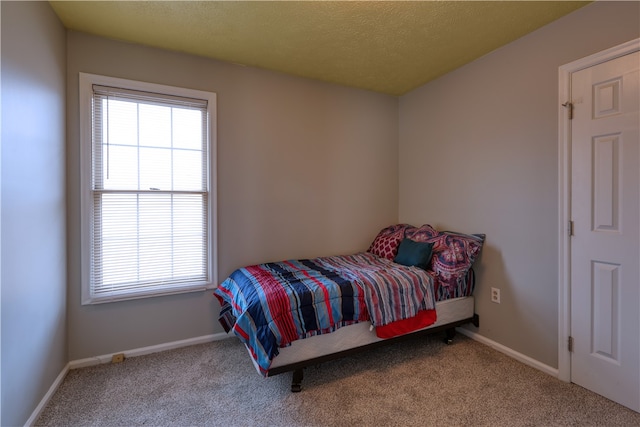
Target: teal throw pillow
412,253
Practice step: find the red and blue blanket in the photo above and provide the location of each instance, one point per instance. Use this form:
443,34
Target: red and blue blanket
268,306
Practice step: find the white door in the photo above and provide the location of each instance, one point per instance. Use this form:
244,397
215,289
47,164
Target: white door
605,209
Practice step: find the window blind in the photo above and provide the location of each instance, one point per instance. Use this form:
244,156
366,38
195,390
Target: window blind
149,191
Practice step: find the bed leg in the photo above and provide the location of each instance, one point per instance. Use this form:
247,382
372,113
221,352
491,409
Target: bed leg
296,382
450,334
476,320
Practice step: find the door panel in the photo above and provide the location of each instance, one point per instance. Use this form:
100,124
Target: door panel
605,208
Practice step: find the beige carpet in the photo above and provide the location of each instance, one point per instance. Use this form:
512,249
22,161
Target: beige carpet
420,382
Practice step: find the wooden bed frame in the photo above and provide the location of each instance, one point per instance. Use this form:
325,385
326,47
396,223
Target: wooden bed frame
298,367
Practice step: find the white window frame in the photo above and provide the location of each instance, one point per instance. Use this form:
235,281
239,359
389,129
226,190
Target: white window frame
86,82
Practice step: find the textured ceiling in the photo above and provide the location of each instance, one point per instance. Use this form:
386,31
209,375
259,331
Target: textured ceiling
385,46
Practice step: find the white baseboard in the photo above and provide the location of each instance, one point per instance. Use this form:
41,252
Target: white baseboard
510,352
92,361
47,397
106,358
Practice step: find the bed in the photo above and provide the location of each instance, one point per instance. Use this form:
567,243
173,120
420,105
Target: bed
296,313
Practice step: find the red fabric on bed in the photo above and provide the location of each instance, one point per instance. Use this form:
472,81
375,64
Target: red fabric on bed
423,319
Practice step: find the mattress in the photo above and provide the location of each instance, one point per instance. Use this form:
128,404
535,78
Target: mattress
360,334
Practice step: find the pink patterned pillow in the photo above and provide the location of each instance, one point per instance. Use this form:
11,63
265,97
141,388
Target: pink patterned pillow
453,255
386,243
426,233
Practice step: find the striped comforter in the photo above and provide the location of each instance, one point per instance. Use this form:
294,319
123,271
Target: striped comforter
268,306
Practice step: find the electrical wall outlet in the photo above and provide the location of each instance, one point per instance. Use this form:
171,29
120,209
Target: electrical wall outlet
117,358
495,295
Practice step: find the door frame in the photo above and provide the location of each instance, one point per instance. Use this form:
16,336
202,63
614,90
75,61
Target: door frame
564,194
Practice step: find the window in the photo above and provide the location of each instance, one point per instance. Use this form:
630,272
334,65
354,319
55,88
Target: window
148,214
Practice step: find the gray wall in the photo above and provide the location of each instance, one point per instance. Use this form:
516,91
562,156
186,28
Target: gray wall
304,169
479,153
34,338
